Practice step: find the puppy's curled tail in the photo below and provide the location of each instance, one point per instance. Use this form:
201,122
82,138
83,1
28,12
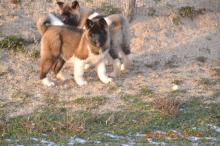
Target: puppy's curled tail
42,25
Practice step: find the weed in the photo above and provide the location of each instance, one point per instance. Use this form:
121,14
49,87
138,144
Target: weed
190,12
146,91
176,20
152,65
108,9
13,43
35,54
168,106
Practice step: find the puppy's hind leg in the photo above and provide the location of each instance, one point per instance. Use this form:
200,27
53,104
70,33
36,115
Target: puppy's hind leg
46,64
125,54
57,68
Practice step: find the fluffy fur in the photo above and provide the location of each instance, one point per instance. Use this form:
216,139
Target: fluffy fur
62,43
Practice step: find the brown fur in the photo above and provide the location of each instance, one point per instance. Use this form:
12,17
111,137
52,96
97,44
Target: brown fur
80,13
60,43
57,43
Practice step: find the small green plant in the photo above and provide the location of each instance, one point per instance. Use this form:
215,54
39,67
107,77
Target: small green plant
190,12
35,54
13,43
108,9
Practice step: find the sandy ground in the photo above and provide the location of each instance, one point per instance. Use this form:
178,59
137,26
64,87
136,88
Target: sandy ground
161,53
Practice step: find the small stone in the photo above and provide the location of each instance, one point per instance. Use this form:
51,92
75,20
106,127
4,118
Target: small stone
175,87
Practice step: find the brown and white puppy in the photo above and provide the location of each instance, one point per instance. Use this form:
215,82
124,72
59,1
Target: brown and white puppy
118,28
72,14
62,43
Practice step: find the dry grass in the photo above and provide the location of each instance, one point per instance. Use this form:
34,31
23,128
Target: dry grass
168,106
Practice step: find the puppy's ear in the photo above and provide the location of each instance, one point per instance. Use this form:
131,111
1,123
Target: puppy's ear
89,24
102,22
60,4
75,4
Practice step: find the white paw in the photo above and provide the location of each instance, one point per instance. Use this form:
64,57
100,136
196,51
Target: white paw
48,83
124,68
81,82
61,77
107,80
87,66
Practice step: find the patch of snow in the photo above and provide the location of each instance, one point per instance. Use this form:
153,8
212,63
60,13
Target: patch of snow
194,139
35,139
213,127
74,140
48,143
80,140
114,136
156,143
140,135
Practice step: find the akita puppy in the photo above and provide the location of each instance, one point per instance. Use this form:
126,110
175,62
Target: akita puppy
62,43
118,28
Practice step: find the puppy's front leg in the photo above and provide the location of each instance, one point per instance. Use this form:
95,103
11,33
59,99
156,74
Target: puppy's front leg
101,70
79,71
